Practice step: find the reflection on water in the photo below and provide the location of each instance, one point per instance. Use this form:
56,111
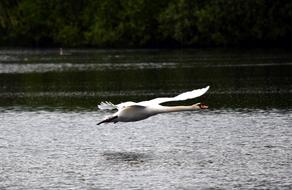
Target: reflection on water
49,138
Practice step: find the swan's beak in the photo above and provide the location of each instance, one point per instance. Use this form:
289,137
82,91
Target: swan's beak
203,106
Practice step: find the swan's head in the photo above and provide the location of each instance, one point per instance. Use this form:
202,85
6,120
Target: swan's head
200,106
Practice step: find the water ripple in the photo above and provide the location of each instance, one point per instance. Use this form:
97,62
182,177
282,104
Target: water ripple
226,149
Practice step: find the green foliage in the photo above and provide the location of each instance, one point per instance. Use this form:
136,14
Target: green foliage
124,23
145,23
178,22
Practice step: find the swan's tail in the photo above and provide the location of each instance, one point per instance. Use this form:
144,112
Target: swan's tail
106,106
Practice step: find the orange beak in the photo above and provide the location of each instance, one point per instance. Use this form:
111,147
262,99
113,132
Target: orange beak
203,106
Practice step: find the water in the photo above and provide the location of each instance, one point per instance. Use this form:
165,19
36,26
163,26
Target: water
49,138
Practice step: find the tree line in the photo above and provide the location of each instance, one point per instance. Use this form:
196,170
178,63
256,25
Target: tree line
145,23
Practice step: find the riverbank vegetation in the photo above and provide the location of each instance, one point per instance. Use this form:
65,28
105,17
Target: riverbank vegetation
145,23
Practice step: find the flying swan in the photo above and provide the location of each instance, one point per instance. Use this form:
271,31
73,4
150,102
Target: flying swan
132,111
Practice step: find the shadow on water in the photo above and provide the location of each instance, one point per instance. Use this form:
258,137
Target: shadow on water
132,158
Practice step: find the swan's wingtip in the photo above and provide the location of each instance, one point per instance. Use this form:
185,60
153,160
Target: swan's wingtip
206,88
106,106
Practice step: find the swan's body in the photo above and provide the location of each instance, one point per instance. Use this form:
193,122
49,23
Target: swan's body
132,111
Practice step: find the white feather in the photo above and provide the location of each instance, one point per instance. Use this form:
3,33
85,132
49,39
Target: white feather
106,106
184,96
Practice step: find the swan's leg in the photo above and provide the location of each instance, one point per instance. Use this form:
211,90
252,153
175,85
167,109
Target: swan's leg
110,119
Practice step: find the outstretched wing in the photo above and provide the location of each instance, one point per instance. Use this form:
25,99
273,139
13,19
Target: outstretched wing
110,106
184,96
106,106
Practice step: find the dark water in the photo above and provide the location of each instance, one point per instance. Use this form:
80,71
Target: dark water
49,138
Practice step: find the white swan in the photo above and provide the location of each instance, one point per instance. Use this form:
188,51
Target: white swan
132,111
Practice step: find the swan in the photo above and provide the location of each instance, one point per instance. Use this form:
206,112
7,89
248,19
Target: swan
132,111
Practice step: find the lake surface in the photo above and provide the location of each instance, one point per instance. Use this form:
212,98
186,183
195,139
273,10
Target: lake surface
49,138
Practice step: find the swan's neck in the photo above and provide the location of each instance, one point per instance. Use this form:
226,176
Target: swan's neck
165,109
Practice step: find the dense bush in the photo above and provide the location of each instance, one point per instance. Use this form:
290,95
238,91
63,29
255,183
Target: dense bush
145,23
